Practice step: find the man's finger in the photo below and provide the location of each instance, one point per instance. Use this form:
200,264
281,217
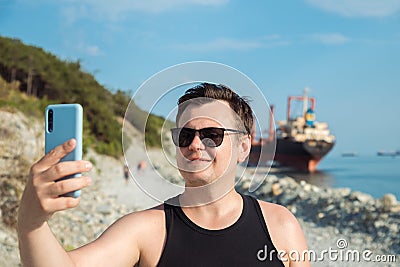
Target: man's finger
69,185
65,168
63,203
54,156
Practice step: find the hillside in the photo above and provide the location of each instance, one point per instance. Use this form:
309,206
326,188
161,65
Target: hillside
31,78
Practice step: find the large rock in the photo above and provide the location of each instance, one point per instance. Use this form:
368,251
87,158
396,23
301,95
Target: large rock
388,201
21,143
21,137
361,197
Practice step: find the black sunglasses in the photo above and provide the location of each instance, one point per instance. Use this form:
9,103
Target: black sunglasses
210,137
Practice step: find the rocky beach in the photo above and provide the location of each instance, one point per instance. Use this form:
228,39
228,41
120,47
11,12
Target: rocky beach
339,224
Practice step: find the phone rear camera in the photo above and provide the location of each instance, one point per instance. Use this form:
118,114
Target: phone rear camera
50,121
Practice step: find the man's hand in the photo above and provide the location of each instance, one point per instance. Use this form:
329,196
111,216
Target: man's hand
41,197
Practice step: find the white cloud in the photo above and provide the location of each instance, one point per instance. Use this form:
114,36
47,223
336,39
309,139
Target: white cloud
91,50
223,44
220,44
72,14
359,8
117,9
330,38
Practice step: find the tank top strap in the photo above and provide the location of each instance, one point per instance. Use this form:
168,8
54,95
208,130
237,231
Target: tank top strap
256,205
169,207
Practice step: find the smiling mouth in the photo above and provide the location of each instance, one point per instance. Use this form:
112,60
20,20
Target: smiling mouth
194,165
198,160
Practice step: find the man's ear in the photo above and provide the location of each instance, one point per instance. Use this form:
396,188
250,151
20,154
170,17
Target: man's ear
244,148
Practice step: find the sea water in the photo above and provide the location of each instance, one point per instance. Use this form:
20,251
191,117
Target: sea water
374,175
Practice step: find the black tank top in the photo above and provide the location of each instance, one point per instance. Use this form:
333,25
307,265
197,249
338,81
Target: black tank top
245,243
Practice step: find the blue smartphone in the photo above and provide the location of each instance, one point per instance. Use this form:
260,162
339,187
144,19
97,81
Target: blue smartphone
63,122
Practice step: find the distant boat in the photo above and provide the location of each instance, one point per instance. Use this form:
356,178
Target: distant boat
388,153
301,142
349,154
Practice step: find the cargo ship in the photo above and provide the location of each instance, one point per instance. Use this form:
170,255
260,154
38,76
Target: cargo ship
301,142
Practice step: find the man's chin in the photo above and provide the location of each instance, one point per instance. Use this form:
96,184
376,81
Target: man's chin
195,184
196,178
194,168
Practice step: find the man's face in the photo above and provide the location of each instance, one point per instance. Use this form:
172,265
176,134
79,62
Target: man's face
202,165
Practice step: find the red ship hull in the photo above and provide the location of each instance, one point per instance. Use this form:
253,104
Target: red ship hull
303,156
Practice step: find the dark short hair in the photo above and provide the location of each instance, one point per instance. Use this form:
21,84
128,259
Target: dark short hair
207,92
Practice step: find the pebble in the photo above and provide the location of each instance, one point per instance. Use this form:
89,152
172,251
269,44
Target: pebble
276,189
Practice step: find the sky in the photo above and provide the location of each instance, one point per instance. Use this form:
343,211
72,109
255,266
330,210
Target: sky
346,51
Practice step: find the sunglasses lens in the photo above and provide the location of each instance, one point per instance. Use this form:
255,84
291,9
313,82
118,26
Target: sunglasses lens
182,137
186,137
212,137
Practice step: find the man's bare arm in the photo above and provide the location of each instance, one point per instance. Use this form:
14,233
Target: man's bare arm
38,246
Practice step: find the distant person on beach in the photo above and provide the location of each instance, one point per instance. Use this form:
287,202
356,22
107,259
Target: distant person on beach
209,224
141,166
126,173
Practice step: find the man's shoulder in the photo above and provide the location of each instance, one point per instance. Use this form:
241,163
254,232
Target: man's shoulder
154,214
282,225
277,214
143,223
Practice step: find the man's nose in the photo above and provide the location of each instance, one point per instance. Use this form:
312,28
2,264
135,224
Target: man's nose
196,144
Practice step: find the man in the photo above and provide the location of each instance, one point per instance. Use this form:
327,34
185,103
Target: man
209,224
